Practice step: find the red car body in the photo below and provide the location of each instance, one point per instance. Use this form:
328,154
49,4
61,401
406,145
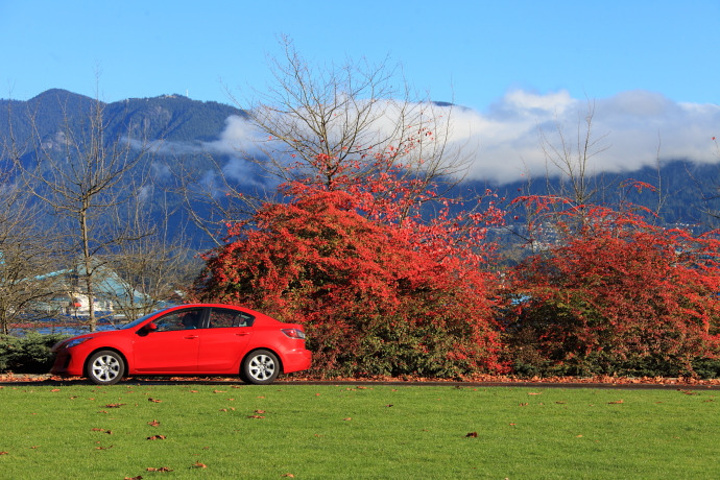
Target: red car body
196,339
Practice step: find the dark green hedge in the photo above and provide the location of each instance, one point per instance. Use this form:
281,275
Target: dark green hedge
27,354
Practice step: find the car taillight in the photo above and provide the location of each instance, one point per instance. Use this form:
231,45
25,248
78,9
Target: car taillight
293,333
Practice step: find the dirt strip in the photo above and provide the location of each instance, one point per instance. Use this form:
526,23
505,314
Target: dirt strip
558,382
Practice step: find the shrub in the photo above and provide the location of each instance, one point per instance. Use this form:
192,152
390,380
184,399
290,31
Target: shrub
618,296
27,354
373,302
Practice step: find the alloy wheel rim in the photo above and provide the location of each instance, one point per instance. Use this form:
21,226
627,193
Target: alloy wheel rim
106,368
262,367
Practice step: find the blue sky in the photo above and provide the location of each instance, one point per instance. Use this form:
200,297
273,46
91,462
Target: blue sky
476,53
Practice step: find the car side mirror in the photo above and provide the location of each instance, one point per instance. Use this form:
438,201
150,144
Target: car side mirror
151,327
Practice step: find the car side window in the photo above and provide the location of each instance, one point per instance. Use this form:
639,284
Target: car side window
220,318
182,320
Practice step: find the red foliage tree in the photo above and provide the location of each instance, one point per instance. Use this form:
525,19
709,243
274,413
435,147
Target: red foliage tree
382,287
616,295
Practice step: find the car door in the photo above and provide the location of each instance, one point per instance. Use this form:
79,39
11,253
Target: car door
223,343
171,348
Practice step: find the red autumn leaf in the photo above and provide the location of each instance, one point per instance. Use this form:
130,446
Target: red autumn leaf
154,400
157,437
4,453
199,465
114,405
260,411
617,402
154,423
472,435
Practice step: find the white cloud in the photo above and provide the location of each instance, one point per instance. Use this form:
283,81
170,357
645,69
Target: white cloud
505,142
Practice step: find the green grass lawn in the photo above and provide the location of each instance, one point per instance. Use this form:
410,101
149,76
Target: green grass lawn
347,432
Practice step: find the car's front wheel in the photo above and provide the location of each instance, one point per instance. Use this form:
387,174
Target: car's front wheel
260,367
106,367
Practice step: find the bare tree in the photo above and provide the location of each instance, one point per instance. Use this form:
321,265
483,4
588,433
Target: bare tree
80,175
26,248
347,115
147,272
573,159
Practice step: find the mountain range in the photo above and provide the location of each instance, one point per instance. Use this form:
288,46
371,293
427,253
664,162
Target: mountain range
688,192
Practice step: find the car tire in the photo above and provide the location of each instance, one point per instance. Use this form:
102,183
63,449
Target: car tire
106,367
261,367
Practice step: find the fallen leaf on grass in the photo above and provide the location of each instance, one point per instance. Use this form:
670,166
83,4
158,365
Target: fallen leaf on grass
347,419
154,423
255,416
524,404
289,475
618,402
114,405
55,390
199,465
154,400
471,435
4,453
534,393
260,411
161,469
687,392
218,391
104,448
139,477
157,437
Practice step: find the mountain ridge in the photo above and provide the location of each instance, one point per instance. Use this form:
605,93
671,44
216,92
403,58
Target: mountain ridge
690,190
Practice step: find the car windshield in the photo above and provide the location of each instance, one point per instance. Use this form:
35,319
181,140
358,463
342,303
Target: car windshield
140,320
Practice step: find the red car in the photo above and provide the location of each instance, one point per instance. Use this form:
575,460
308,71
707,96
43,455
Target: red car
201,339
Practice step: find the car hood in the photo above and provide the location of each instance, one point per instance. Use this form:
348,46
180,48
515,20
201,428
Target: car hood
61,343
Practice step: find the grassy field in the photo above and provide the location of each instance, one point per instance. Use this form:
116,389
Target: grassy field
355,432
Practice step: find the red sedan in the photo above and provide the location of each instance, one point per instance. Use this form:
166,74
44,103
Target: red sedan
201,339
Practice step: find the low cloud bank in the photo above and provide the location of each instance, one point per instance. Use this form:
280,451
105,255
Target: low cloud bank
505,143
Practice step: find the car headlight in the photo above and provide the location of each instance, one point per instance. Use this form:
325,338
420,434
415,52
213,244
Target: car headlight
76,341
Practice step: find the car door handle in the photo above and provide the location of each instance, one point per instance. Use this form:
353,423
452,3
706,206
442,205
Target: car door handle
191,337
242,334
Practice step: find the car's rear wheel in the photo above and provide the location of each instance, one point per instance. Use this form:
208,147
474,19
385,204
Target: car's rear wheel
106,367
260,367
